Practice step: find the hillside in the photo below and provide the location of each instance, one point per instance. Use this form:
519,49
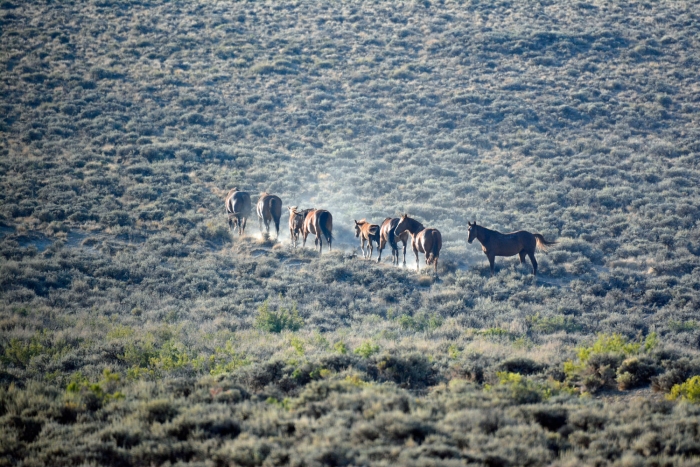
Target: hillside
136,330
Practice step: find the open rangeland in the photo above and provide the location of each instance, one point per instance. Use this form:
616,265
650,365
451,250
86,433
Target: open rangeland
136,328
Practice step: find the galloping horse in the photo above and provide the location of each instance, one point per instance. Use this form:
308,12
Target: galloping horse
296,223
386,234
367,233
495,243
238,209
269,209
319,222
428,241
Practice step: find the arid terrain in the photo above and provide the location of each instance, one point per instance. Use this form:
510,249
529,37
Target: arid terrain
135,329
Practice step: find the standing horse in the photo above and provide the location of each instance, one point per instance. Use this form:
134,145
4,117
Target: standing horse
238,209
269,209
428,241
320,223
296,223
495,243
367,233
386,234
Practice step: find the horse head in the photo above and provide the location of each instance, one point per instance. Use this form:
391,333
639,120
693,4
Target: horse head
472,231
402,226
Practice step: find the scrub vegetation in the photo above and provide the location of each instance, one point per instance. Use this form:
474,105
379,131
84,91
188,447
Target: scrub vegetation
135,329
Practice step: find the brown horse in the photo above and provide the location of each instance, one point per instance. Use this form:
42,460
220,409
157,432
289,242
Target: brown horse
367,233
320,223
495,243
296,223
386,235
428,241
269,209
238,209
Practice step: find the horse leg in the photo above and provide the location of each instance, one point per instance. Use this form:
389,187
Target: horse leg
491,264
260,223
522,257
305,234
534,263
404,255
371,248
415,250
436,262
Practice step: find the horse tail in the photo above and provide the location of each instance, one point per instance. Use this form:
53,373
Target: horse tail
276,211
542,244
435,250
326,218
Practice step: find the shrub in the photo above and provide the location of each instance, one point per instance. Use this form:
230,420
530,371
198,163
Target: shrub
678,370
523,366
420,322
276,322
366,350
688,391
597,365
519,389
635,372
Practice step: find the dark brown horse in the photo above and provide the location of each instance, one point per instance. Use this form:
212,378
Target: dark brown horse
269,209
368,233
495,243
320,223
386,235
296,223
428,241
238,209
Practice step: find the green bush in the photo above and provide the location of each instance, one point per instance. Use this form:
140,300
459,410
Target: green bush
599,366
688,391
278,321
366,349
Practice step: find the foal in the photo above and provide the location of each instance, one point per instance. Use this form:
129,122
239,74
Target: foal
367,233
428,241
495,243
296,223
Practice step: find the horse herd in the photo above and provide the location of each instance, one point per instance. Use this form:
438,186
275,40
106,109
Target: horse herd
392,230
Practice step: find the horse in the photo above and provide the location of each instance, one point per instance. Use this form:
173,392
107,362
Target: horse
386,235
269,209
320,223
428,241
495,243
238,209
296,223
367,233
